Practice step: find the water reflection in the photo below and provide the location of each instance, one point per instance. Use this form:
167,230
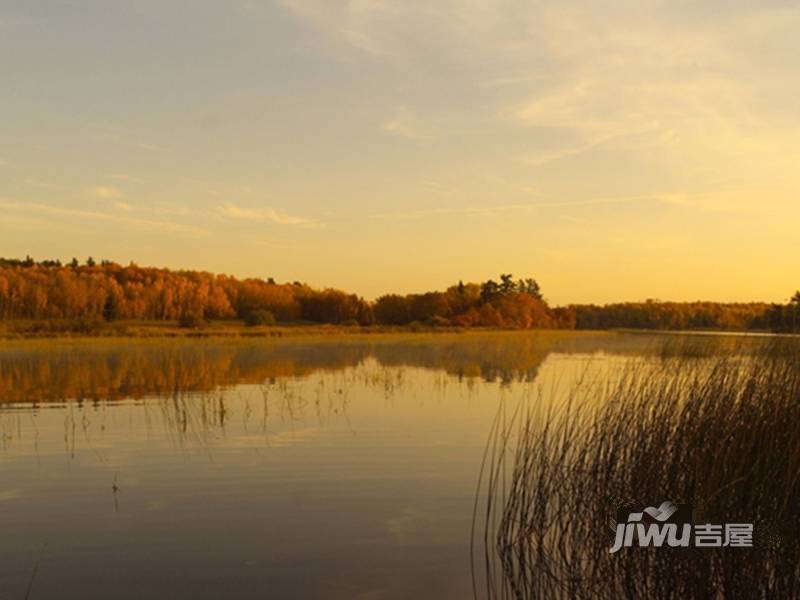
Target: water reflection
123,370
294,468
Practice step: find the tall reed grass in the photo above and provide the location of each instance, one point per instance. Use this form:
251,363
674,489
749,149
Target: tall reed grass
714,426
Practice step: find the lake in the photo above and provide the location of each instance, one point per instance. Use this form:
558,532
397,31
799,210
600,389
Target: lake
294,468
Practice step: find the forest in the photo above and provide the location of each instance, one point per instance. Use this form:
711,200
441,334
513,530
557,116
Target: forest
107,291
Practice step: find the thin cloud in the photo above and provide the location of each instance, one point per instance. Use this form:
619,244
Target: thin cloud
107,192
660,85
60,212
271,244
149,147
349,23
544,158
19,222
41,184
123,177
407,124
508,208
707,202
439,188
263,215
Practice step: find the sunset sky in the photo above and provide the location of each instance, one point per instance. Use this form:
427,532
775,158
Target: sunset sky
613,151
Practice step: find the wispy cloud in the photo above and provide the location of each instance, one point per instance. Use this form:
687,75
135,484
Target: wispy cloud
149,147
33,182
93,215
106,192
656,83
405,123
499,209
123,177
263,215
10,221
266,243
541,158
348,22
438,188
673,88
123,134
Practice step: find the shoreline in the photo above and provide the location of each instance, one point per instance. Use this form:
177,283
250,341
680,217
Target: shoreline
236,330
138,330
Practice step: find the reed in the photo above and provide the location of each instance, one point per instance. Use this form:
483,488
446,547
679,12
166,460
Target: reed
719,430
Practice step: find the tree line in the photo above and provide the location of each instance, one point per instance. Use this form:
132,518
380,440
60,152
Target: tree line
735,316
674,316
105,290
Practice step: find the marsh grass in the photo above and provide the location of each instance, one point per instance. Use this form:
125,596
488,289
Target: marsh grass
714,426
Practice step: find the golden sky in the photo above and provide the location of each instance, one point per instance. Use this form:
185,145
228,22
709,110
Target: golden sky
613,151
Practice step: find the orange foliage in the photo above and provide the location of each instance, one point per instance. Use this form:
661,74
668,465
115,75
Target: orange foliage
49,290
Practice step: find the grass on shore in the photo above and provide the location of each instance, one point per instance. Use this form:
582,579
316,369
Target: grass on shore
82,328
99,328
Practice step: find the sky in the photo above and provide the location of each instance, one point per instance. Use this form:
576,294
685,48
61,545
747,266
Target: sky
613,151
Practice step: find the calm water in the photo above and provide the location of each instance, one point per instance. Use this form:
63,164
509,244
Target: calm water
263,469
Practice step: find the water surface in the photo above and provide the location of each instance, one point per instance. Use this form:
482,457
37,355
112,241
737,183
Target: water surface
252,469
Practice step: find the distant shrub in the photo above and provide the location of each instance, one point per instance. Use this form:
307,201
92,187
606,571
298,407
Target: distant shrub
84,326
438,321
351,323
121,329
191,321
259,317
415,326
88,325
